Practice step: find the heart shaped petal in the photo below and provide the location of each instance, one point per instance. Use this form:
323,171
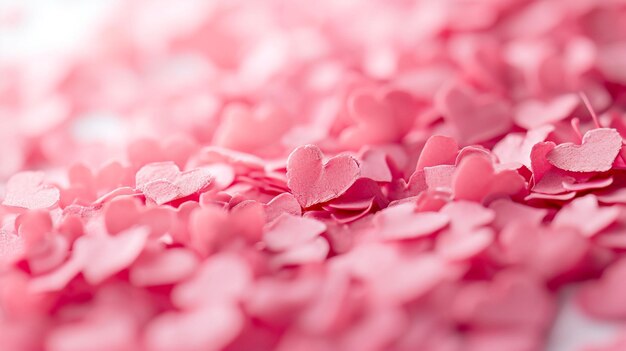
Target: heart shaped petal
312,181
597,152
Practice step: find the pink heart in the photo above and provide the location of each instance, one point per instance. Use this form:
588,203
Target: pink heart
163,182
251,130
476,180
105,256
124,212
539,249
474,117
312,181
283,203
585,216
466,215
516,148
535,113
290,231
222,277
510,299
27,190
414,224
604,297
309,252
438,150
381,117
374,165
597,152
458,246
169,331
165,267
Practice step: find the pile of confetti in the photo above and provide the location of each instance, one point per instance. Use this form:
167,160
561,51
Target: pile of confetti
299,175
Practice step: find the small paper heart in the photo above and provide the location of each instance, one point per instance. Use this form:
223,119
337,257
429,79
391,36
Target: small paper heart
597,152
27,190
163,182
312,181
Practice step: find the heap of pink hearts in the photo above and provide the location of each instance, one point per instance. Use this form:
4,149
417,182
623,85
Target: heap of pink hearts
269,176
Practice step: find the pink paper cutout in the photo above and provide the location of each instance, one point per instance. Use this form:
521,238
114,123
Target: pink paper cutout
163,182
27,190
597,152
416,224
313,182
289,231
475,180
474,117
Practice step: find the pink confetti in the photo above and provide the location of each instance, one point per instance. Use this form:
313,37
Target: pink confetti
163,182
162,268
598,150
27,190
313,181
381,117
474,117
415,224
294,175
476,180
289,231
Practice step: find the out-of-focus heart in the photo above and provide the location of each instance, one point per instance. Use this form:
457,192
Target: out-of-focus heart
251,130
473,116
535,113
27,190
381,117
476,180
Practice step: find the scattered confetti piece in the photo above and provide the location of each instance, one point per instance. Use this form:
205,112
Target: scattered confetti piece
27,190
313,182
597,152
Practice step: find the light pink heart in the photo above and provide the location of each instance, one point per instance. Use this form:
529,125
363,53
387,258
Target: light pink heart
381,116
27,190
404,222
312,181
473,116
251,129
597,152
163,182
535,113
289,231
283,203
160,268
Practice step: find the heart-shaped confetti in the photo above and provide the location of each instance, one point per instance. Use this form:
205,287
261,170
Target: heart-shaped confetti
596,153
290,231
416,224
163,182
250,130
297,175
381,117
314,181
474,117
27,190
475,179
